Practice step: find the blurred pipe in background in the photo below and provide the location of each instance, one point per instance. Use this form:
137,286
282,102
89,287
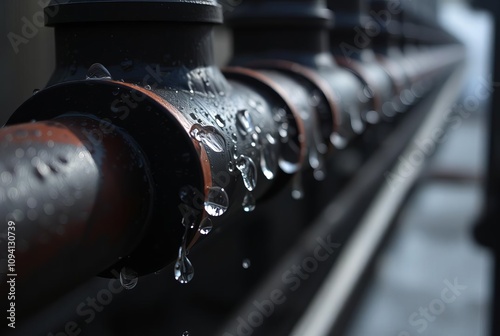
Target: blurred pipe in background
26,53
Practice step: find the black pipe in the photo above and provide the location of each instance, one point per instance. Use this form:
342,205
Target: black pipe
77,204
265,35
145,79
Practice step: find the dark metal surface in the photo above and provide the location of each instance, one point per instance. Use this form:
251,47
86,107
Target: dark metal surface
171,143
79,203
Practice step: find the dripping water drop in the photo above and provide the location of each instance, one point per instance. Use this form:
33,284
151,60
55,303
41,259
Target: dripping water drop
98,71
246,263
248,202
217,201
209,137
128,278
205,226
248,171
183,269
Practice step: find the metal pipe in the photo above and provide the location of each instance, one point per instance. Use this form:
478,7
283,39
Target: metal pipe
77,203
188,142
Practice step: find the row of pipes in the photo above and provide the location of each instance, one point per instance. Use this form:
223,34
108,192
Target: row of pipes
139,142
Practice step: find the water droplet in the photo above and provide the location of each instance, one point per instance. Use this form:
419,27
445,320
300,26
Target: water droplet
248,171
313,158
372,117
209,137
98,71
188,219
297,189
246,263
183,269
128,278
217,201
205,226
281,118
248,202
35,91
319,174
244,122
255,139
235,152
268,159
270,139
186,333
220,121
338,141
234,137
147,87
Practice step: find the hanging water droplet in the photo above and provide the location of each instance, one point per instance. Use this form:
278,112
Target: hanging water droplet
268,159
230,166
246,263
248,171
186,333
98,71
209,137
187,221
270,139
128,278
283,131
235,152
313,158
35,91
220,121
217,201
244,122
297,189
338,141
319,174
183,269
372,116
205,226
248,202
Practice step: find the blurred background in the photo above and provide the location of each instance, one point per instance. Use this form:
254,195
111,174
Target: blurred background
432,243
